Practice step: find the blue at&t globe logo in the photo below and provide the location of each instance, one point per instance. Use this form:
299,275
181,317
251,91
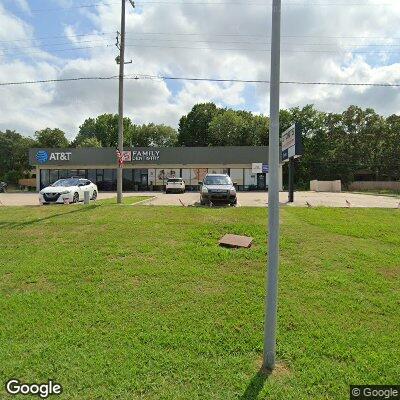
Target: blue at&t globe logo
42,156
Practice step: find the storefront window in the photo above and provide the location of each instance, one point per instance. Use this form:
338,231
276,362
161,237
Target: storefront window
163,174
63,173
91,175
53,175
107,180
250,179
151,177
127,178
237,176
186,176
197,175
44,178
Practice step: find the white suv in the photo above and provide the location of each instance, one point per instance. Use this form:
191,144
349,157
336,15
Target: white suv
175,185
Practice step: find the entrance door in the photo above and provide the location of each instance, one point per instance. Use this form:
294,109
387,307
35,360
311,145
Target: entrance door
261,182
143,182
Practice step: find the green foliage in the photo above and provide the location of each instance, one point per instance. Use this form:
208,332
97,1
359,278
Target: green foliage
89,142
194,127
53,138
104,128
14,155
238,128
151,135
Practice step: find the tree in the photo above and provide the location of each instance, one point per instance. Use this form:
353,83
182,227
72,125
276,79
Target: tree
238,128
51,138
104,128
14,161
89,142
194,127
152,135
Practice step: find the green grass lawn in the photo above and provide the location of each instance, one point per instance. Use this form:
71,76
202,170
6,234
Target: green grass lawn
126,199
140,302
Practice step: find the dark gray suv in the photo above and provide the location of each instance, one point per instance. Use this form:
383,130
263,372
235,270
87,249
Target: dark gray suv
217,189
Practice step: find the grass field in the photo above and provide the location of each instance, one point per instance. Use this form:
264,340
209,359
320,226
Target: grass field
119,302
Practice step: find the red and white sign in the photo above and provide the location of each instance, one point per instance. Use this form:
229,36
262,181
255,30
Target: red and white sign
127,155
124,156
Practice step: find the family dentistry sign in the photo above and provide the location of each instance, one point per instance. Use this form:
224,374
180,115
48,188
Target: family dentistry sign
145,155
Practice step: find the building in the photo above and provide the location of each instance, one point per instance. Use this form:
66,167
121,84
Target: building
149,168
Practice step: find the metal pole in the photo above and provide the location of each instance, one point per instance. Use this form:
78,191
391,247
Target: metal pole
273,195
291,179
121,102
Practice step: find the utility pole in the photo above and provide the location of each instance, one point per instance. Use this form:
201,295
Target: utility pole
121,61
271,298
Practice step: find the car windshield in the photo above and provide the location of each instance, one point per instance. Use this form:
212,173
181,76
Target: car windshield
217,180
174,180
66,182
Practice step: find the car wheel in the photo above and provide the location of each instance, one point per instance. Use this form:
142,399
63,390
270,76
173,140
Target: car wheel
94,196
75,199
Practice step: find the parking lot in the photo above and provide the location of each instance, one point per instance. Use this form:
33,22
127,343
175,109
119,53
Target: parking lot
245,199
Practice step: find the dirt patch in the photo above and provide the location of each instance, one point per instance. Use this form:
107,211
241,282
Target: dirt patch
38,285
207,288
390,272
281,371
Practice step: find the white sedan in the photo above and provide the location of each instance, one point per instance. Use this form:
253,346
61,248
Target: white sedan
71,190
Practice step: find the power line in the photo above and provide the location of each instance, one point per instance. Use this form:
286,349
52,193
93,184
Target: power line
45,46
213,34
57,37
344,48
138,76
217,80
266,49
29,53
94,78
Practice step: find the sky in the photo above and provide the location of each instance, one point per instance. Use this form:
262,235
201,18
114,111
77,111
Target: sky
357,41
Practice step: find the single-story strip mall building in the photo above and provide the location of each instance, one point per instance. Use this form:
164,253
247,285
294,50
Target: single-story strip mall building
149,168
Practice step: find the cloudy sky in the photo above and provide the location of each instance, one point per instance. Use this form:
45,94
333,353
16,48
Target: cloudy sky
324,40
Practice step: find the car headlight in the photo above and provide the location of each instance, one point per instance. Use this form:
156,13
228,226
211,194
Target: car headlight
65,192
204,189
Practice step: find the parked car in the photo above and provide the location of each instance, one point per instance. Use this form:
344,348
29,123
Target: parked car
69,190
3,187
217,189
175,185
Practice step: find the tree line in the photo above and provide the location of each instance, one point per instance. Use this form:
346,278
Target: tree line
357,142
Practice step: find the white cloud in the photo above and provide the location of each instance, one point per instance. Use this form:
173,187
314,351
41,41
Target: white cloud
318,44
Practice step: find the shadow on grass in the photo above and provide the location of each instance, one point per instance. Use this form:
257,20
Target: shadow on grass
256,385
13,225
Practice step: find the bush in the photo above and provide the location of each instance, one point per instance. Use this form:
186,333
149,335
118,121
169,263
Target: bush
12,176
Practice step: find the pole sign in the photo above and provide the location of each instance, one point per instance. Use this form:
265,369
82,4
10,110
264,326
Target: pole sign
291,143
